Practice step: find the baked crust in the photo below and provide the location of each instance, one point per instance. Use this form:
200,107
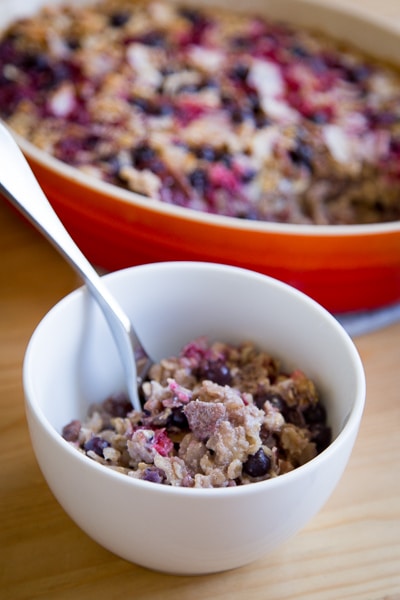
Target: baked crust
210,110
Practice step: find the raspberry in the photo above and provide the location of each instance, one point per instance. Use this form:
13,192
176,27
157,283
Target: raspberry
162,443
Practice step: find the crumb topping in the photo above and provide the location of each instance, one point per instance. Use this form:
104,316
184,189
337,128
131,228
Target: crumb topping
214,111
214,416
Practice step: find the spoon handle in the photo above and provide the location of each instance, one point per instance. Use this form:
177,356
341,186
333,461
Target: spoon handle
20,186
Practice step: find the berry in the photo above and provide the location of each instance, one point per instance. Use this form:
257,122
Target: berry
274,398
239,72
216,371
154,475
199,180
162,443
118,406
96,444
302,155
321,435
153,38
177,419
258,464
143,155
118,19
315,413
71,431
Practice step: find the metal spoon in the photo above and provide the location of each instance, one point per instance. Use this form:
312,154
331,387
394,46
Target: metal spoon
19,185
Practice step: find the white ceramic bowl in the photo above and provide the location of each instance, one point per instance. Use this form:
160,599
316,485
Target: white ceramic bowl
71,361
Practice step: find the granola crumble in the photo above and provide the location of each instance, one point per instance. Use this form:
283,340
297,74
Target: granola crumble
216,415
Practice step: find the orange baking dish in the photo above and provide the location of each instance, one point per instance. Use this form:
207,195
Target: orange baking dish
344,267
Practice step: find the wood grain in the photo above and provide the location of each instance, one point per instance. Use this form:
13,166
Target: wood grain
350,550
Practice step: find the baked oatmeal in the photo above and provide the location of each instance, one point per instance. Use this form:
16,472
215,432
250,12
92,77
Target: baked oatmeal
214,111
216,415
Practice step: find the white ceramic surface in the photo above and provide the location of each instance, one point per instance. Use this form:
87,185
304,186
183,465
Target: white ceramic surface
71,361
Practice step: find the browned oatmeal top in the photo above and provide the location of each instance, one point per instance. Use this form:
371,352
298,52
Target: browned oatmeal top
212,111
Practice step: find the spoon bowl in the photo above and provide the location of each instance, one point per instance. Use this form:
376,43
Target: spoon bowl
19,185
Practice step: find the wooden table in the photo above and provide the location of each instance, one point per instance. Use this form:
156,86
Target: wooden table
350,550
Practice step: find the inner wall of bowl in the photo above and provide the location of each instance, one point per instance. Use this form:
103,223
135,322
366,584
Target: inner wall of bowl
72,360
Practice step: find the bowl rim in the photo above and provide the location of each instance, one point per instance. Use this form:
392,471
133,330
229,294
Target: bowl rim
348,429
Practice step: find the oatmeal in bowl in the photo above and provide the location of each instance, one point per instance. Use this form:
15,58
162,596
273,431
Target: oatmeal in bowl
216,415
233,433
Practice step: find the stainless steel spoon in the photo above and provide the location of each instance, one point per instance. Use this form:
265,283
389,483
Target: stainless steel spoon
19,185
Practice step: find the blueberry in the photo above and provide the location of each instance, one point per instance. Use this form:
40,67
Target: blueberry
212,154
320,117
71,431
254,102
154,475
209,83
192,15
358,74
381,119
248,175
227,100
189,88
205,152
199,180
216,371
225,158
142,155
318,64
118,406
96,444
73,43
163,109
153,38
299,51
90,141
157,109
251,215
239,114
177,419
251,109
171,194
321,435
67,149
395,146
241,42
8,50
239,72
118,19
256,110
302,155
294,415
257,464
274,398
143,103
199,23
36,62
44,75
315,413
